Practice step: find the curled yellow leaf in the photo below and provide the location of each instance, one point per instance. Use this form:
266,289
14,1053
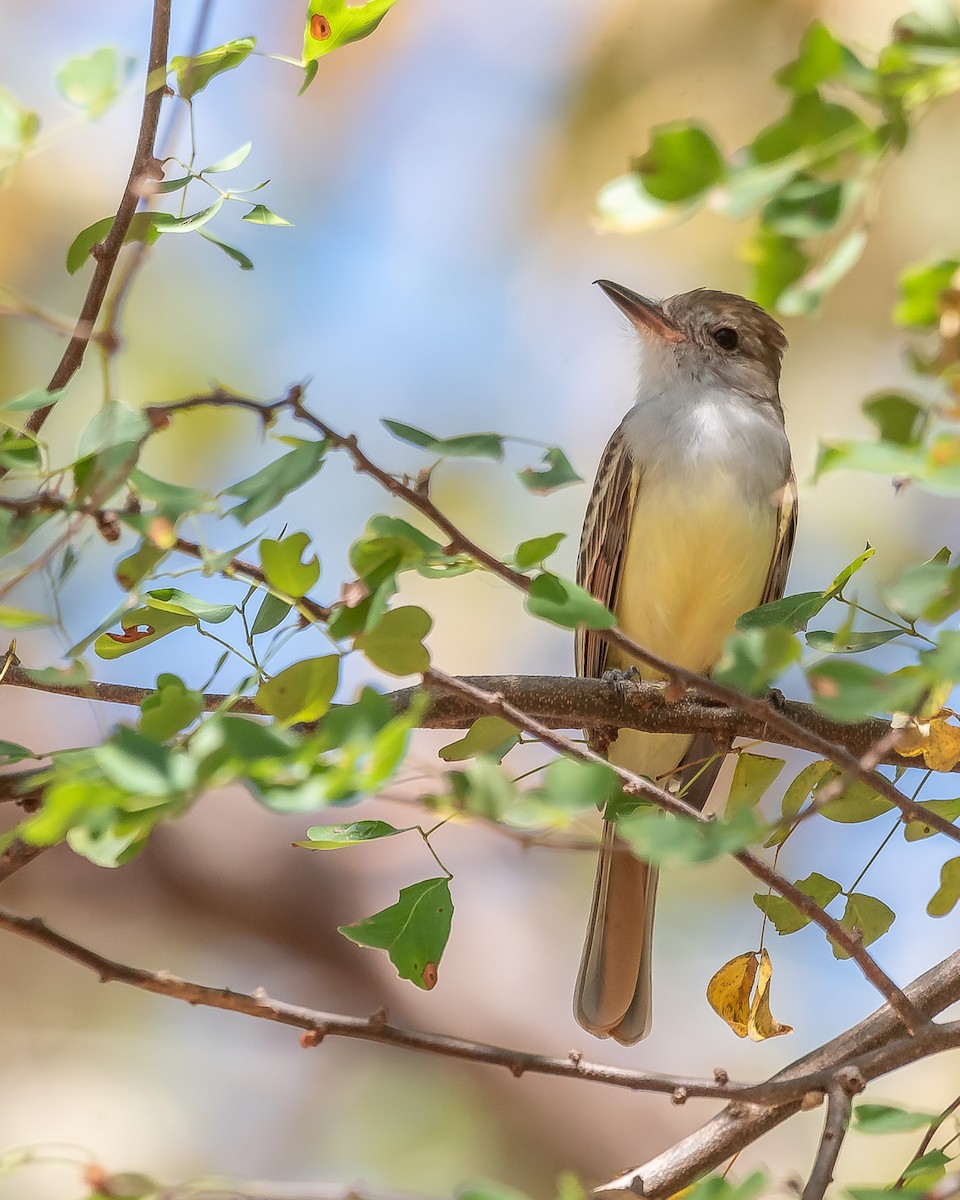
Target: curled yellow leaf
729,994
935,740
761,1023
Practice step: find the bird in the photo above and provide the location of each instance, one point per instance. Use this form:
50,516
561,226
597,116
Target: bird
691,522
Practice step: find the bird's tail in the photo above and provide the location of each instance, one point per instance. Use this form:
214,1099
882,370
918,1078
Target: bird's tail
613,997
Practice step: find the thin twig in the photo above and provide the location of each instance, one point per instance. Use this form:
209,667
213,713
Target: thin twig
785,1089
848,1084
141,170
928,1138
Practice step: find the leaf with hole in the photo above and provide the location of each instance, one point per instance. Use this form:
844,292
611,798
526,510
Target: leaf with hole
414,931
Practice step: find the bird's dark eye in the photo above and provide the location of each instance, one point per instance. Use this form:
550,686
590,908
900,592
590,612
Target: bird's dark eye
726,338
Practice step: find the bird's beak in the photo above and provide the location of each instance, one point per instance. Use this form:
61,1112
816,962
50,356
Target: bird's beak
644,314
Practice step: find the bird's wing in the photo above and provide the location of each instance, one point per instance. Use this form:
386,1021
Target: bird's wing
776,581
603,543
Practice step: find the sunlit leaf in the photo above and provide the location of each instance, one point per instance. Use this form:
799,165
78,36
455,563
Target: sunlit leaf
172,707
752,776
22,618
533,551
194,73
948,893
921,288
229,162
466,445
261,215
395,643
566,604
488,735
681,162
914,831
302,691
335,837
785,917
761,1023
867,918
755,657
92,82
728,992
555,472
413,931
283,567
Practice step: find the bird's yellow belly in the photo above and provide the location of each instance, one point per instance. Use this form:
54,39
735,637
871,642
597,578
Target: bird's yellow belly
697,557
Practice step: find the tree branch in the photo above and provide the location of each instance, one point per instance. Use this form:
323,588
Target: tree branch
556,701
637,785
141,170
875,1044
784,1089
849,1083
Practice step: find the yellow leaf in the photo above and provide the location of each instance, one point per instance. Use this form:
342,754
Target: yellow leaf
936,740
761,1024
728,992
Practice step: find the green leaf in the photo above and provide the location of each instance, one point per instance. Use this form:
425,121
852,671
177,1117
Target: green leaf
682,162
811,124
948,893
21,618
850,691
556,472
488,735
134,568
930,591
92,82
141,627
138,765
261,215
18,130
332,24
865,916
858,803
171,499
796,796
35,398
899,419
265,489
831,642
878,458
927,1169
820,58
395,644
13,752
484,790
753,774
788,919
335,837
142,229
230,161
566,604
533,551
301,692
413,931
283,567
915,831
667,840
571,786
485,1189
803,297
172,707
792,611
466,445
887,1118
808,207
624,206
754,658
238,256
777,262
271,612
174,600
848,572
194,73
167,223
921,288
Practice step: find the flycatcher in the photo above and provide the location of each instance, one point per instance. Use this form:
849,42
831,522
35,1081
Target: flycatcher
691,522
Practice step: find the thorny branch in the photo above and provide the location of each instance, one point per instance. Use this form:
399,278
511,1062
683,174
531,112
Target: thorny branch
863,1053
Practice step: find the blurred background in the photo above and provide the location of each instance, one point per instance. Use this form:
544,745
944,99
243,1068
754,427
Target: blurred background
440,179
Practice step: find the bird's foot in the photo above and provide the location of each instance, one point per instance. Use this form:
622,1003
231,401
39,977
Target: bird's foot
623,681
